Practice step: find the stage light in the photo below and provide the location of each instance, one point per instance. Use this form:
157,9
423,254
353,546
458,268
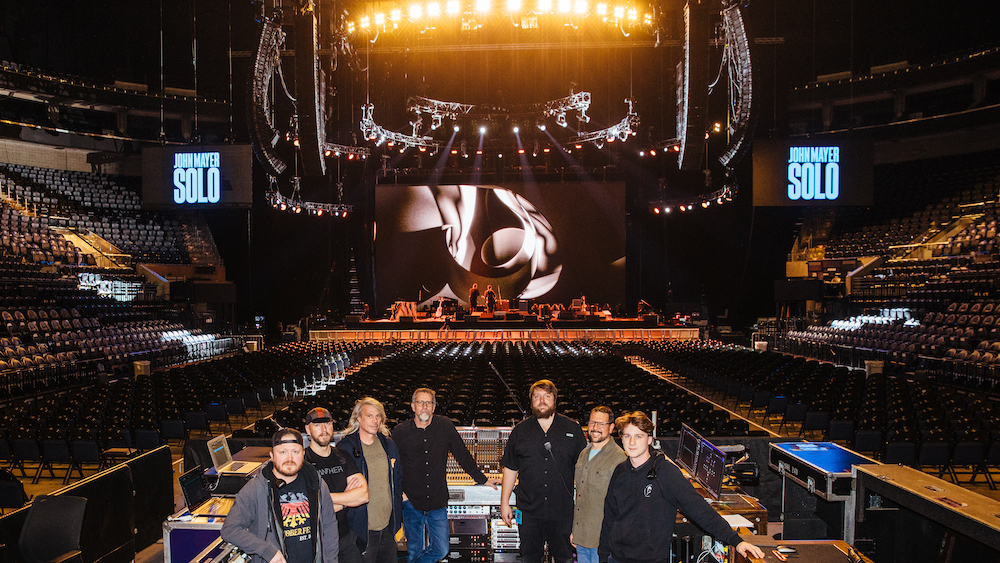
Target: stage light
380,19
534,151
483,6
350,156
395,15
561,118
513,5
705,204
391,144
540,124
656,210
296,141
465,150
683,208
602,9
578,146
517,129
642,153
546,150
416,11
520,151
499,155
344,214
364,22
327,152
282,206
633,14
677,148
482,129
452,7
719,201
433,9
652,152
454,151
619,12
319,212
544,5
479,152
455,128
717,127
581,7
298,209
666,210
423,149
402,150
565,6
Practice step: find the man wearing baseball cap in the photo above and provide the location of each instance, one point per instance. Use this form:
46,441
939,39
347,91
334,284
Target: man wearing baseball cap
348,487
306,530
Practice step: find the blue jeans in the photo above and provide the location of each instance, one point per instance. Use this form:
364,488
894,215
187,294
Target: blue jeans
586,554
435,522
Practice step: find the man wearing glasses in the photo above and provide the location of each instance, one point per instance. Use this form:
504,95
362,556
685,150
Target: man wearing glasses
424,443
594,468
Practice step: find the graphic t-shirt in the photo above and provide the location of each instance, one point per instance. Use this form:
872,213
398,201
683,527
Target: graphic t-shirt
335,469
295,522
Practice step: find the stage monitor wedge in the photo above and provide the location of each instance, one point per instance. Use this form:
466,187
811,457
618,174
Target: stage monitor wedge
827,172
197,177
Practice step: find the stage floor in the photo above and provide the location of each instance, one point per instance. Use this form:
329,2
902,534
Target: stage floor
441,331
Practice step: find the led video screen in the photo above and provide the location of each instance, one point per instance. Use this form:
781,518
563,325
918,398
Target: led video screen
202,177
826,172
550,242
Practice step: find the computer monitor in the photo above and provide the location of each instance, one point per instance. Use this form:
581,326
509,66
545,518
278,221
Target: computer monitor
711,467
687,448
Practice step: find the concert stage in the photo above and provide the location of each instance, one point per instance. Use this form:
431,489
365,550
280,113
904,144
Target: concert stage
489,329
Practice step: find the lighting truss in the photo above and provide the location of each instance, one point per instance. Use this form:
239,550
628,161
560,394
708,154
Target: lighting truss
451,110
374,132
620,131
722,195
337,150
296,205
579,101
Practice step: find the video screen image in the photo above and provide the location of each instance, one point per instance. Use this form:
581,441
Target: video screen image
550,242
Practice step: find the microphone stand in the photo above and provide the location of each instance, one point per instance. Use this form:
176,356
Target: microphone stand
511,392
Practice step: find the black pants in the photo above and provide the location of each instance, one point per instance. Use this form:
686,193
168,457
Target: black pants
535,533
349,552
381,546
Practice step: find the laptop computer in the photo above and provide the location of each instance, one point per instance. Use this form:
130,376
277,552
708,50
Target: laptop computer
199,499
222,459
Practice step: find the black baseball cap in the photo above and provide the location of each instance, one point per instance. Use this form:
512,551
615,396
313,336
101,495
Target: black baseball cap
318,414
286,436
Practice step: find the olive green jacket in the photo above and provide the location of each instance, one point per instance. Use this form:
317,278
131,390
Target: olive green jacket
592,477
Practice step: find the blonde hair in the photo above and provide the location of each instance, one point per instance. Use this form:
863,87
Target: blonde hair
355,422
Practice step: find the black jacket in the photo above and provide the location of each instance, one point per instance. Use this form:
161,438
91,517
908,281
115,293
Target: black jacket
357,517
640,511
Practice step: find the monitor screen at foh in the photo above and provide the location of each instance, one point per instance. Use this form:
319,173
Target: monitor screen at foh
687,448
711,468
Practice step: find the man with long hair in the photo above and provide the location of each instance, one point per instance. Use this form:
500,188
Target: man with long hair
367,441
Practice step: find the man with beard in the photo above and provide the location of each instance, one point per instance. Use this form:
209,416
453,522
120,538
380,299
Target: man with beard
348,487
424,443
593,473
375,524
306,531
645,493
539,456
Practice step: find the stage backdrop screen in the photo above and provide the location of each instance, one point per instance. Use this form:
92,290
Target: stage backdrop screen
202,177
826,172
551,242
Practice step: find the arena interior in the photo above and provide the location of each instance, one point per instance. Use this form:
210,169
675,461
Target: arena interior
766,221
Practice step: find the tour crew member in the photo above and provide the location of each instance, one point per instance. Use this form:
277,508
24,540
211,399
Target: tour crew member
539,455
645,493
491,299
474,298
348,487
307,530
424,442
593,474
367,440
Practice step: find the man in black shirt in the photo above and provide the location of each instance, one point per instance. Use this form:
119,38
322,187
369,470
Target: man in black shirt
348,487
541,456
424,443
645,493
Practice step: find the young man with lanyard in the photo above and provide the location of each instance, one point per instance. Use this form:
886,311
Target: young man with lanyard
593,474
367,441
348,487
645,493
306,531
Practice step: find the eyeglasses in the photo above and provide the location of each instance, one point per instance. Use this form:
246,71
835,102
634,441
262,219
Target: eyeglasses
423,403
598,423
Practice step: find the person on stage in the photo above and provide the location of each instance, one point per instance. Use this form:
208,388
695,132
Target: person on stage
491,299
474,298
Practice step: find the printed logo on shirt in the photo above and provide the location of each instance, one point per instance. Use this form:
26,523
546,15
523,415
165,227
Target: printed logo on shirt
570,434
295,516
648,490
